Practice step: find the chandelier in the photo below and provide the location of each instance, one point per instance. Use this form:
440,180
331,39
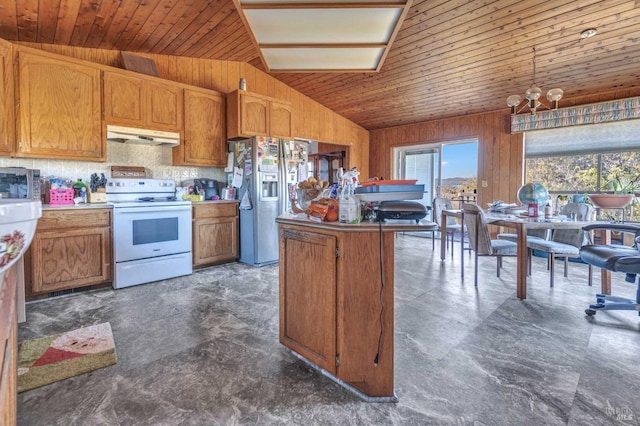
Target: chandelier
532,96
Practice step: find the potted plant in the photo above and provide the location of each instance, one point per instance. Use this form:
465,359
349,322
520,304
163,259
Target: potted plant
624,190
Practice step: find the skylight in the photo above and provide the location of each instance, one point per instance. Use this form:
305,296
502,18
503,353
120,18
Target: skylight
324,36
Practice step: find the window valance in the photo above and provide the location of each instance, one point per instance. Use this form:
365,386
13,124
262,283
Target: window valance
603,112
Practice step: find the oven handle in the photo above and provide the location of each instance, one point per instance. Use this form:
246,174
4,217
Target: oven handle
162,209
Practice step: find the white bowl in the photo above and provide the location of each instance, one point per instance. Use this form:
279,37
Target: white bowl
18,220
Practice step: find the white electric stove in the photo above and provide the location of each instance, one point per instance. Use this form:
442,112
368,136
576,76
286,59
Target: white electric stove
151,231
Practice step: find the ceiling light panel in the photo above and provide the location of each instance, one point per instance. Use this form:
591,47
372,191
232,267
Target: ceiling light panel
307,59
316,2
323,26
308,35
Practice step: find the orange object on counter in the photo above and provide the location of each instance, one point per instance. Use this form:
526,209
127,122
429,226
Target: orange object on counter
317,210
332,213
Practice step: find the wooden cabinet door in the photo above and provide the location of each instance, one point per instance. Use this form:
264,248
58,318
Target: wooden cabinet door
205,141
164,106
59,109
280,120
136,102
254,115
308,295
215,240
123,99
69,259
7,120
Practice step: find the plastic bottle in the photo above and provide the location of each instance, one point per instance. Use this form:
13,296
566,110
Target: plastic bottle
548,211
77,188
348,206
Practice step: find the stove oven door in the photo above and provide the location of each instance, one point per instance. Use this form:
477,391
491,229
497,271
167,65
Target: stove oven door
151,231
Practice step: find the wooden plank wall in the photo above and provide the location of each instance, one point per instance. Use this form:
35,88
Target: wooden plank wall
500,154
310,120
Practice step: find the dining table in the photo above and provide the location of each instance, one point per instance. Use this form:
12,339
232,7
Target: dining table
521,224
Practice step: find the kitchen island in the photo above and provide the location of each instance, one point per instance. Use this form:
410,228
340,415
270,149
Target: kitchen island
336,299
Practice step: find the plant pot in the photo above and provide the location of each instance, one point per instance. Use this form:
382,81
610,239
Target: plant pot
611,201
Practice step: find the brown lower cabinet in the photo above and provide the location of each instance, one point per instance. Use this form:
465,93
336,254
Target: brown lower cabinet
71,249
330,300
8,348
215,232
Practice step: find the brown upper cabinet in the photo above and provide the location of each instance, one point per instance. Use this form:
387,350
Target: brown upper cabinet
58,108
205,142
250,114
142,102
7,120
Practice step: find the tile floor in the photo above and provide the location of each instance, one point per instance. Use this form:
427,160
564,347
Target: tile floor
204,349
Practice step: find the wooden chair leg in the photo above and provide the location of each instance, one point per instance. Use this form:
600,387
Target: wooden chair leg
550,261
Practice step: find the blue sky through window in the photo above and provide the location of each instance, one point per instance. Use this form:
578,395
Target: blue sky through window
460,160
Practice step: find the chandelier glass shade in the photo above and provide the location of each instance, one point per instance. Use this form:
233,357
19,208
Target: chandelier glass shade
533,95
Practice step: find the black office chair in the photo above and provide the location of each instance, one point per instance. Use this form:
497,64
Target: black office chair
616,258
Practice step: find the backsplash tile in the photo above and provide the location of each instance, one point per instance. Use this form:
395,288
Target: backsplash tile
156,160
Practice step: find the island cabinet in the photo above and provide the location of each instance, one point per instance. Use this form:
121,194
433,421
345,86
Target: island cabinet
71,248
215,232
143,102
59,108
8,347
205,138
250,114
336,300
7,120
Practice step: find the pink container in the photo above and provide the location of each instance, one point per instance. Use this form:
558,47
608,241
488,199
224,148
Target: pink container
60,197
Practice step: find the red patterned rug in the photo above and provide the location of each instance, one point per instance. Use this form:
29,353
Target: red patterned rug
50,359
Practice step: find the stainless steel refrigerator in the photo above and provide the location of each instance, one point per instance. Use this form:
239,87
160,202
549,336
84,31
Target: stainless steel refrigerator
266,171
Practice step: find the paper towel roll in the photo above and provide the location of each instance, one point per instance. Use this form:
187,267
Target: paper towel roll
229,168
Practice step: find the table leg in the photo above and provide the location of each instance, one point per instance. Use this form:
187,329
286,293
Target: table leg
521,269
443,236
462,242
605,275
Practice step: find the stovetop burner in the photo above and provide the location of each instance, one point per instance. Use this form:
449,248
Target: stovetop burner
154,193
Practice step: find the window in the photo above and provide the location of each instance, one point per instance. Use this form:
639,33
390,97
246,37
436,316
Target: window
587,159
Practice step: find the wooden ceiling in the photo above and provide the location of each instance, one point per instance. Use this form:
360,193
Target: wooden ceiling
450,58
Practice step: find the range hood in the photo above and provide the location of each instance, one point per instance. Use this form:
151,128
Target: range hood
132,135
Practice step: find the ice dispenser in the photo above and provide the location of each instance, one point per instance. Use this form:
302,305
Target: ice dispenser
269,185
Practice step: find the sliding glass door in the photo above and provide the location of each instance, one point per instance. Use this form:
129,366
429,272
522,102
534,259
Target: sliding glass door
446,169
421,163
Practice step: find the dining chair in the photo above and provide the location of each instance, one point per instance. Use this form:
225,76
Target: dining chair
439,204
564,243
480,239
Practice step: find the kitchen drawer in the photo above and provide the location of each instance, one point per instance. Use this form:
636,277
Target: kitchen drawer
210,210
68,218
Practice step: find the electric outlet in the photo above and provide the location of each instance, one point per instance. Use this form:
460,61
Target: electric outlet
484,184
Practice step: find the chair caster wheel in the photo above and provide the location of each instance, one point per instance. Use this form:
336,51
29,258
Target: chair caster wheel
589,312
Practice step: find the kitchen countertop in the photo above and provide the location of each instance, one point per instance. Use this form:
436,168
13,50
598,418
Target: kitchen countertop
214,202
406,226
77,206
109,206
